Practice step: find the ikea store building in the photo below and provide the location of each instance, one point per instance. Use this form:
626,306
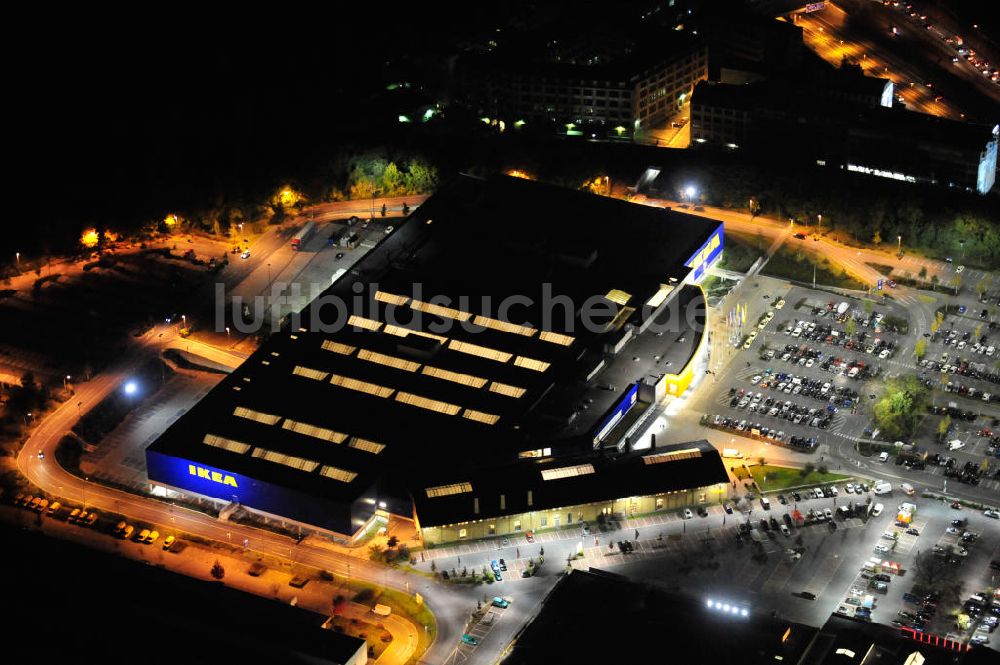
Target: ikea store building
483,370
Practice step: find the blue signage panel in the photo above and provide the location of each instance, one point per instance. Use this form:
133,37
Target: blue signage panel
706,254
225,485
199,478
617,413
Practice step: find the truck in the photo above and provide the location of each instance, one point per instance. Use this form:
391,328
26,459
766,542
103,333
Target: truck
300,238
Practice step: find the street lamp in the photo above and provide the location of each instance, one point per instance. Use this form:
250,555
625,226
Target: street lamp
227,333
690,191
66,381
899,240
184,318
17,256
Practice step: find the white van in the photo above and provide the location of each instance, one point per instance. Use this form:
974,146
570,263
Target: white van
882,487
382,610
883,457
732,453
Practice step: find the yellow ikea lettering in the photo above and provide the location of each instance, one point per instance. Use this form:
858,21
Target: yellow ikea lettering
214,476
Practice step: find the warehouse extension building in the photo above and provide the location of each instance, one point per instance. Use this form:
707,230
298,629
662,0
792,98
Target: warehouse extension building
483,370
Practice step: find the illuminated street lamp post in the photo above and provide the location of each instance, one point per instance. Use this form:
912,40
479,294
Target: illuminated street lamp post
17,257
899,240
66,381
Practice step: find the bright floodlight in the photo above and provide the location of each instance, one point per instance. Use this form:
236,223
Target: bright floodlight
709,602
744,612
130,388
690,191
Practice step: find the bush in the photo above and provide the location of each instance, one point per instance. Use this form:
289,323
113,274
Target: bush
364,595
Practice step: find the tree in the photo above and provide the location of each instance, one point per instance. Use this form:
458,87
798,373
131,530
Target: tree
433,566
375,551
339,603
218,572
541,551
808,468
923,273
935,280
868,305
383,211
981,288
392,542
851,327
943,426
920,348
956,283
932,569
406,208
877,238
898,410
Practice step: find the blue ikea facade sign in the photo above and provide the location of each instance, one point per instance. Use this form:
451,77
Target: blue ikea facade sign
706,254
200,478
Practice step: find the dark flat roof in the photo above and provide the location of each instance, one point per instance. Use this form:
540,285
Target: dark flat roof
675,467
598,617
474,243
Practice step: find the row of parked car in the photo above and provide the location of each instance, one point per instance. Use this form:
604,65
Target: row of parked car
803,385
775,408
964,341
55,509
126,531
755,429
827,334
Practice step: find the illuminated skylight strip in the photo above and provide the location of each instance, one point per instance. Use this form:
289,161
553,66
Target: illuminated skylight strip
391,298
360,386
388,361
337,474
448,490
232,446
454,377
314,431
400,331
481,351
310,373
440,310
506,389
531,363
480,416
427,403
366,445
556,338
671,456
362,322
503,326
257,416
567,472
300,463
618,296
337,347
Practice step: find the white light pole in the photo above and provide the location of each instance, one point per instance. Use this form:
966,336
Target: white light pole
899,240
17,256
